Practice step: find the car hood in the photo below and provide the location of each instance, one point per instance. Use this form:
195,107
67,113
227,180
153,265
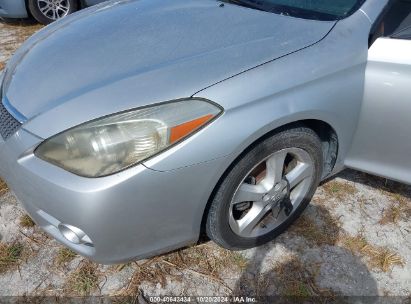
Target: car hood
123,54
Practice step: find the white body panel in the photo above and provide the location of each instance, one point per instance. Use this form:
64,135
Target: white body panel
382,142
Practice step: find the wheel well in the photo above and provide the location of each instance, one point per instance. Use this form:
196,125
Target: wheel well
329,141
325,132
29,15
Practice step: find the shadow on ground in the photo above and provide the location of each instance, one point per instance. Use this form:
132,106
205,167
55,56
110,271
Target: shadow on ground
298,277
18,21
376,182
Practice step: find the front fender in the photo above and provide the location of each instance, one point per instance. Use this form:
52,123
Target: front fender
322,82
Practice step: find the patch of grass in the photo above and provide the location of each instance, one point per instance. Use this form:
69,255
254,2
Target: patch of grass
120,267
3,187
385,259
2,65
10,256
326,233
391,215
339,190
65,256
399,209
309,230
398,193
26,221
150,272
380,258
298,289
236,258
295,279
355,244
206,261
84,280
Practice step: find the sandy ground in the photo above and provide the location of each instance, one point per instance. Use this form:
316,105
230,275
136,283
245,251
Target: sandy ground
353,240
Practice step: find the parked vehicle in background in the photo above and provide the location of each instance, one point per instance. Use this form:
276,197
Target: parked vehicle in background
44,11
129,129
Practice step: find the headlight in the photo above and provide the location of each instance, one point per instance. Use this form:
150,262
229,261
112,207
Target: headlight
114,143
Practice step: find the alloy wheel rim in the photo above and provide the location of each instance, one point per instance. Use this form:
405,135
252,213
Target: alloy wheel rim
271,192
54,9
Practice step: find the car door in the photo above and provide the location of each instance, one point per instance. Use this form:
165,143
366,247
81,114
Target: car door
382,143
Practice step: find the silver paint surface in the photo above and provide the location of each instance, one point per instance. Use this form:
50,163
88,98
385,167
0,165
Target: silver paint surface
264,69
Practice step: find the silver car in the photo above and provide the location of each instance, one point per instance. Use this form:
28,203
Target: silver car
130,129
44,11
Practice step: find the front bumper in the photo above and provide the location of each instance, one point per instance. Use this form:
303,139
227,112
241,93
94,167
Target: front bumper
133,214
13,9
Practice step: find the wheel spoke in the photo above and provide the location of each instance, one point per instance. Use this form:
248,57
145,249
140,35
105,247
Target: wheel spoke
268,210
44,9
246,225
298,174
63,12
275,165
249,193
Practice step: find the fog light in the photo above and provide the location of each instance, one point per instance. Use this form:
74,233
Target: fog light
75,235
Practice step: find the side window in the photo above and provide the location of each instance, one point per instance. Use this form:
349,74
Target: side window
398,18
403,34
394,22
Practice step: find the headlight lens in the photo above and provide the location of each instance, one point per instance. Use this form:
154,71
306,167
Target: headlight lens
111,144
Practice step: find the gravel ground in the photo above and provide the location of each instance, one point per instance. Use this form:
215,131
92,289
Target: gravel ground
353,240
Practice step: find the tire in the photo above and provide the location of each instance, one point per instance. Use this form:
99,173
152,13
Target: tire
226,221
58,9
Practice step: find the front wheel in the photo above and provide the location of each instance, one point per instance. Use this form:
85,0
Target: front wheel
266,190
47,11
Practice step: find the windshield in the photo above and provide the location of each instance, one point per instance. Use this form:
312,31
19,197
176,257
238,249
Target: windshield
308,9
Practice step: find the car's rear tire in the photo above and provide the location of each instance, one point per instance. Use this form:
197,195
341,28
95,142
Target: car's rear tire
266,190
47,11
